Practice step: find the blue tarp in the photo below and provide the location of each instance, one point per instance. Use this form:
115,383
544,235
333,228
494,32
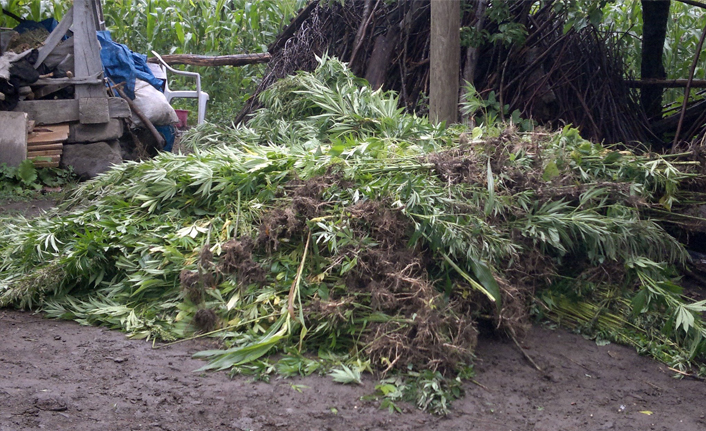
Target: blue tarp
122,65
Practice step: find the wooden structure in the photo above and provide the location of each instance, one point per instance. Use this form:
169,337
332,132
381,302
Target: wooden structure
92,115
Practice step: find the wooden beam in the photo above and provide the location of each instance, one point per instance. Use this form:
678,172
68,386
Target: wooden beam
693,3
98,14
95,132
93,80
66,110
213,60
55,37
665,83
87,61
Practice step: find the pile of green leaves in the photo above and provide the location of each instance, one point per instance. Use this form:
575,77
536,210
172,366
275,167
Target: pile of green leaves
343,233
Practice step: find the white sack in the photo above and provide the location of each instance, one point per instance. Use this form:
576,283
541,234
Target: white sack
153,104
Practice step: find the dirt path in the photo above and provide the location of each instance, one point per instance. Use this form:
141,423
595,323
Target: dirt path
57,375
29,208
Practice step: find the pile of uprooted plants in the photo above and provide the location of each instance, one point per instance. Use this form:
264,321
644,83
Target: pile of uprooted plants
343,234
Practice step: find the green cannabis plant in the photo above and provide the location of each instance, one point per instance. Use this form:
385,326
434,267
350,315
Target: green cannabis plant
342,233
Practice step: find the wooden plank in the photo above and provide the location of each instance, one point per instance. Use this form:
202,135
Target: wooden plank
96,132
55,37
49,134
13,137
48,153
39,147
93,110
46,161
45,112
93,79
87,60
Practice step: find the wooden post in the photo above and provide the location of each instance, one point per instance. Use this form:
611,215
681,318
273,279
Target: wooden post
444,58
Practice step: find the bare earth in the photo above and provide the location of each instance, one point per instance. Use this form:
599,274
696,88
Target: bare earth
58,375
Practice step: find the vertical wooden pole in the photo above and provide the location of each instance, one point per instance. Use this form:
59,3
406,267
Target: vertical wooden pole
444,59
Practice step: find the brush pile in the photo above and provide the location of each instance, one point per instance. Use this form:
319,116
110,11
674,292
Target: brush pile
528,58
340,231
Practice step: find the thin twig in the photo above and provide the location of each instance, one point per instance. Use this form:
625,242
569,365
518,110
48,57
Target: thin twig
361,33
525,353
478,384
688,86
682,373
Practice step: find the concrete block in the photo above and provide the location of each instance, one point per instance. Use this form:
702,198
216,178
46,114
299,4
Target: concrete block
96,132
13,137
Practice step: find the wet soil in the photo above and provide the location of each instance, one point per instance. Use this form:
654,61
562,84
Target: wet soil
60,375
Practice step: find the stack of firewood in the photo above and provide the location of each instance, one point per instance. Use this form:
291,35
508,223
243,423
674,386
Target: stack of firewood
45,144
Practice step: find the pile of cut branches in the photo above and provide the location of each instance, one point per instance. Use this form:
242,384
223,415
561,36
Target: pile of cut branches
525,56
342,232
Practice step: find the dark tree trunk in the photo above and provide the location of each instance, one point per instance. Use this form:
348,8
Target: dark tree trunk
655,14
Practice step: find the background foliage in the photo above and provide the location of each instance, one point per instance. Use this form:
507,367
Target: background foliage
624,20
219,27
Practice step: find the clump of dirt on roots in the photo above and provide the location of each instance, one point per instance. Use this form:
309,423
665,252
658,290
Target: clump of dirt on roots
205,320
304,203
236,258
426,330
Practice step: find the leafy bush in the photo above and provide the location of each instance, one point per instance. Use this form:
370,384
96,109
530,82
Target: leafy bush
26,180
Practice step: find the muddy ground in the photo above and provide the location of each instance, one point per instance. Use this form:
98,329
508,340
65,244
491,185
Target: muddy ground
58,375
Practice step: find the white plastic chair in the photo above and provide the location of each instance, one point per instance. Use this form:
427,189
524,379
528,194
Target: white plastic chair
160,71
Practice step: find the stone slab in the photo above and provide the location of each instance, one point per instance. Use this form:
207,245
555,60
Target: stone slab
13,137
